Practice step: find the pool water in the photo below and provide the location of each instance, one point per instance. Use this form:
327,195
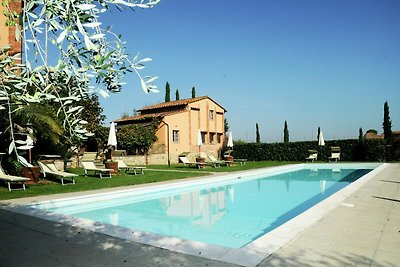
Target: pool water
231,213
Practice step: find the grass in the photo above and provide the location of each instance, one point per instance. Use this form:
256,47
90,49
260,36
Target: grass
153,173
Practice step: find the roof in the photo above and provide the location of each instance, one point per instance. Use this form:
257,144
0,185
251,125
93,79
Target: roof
373,136
148,116
182,102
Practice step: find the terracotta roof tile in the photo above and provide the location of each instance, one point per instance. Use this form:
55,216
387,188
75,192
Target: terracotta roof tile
181,102
145,116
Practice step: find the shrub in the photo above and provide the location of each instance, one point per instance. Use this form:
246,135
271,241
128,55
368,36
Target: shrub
351,150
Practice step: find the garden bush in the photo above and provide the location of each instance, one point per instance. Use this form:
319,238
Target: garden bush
351,150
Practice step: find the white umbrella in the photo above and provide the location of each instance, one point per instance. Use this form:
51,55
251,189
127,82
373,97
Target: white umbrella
321,141
199,140
112,137
230,140
323,186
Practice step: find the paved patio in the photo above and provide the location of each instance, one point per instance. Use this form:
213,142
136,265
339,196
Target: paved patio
364,231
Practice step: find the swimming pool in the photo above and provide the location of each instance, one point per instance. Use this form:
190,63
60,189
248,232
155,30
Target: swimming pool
230,212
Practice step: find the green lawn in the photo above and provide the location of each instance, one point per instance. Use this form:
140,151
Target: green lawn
153,173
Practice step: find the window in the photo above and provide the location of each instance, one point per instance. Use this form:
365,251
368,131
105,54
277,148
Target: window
212,136
211,115
175,136
219,138
203,137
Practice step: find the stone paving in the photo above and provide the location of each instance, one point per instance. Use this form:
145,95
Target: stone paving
363,231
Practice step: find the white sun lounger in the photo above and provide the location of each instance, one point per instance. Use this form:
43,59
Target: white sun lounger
122,166
50,168
187,163
8,179
89,166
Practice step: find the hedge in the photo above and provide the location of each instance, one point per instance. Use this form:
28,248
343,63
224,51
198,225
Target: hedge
351,150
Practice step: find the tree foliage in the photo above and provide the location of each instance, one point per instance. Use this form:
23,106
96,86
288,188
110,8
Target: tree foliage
286,133
387,123
83,52
257,134
177,94
167,92
193,92
137,138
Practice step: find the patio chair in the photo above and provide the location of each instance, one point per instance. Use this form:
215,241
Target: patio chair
51,169
313,154
187,163
89,166
122,166
335,154
8,179
89,156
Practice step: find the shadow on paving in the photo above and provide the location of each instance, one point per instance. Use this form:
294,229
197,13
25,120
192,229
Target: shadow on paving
341,259
30,241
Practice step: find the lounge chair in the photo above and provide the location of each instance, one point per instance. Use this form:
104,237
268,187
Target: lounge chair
313,154
335,153
89,156
122,166
187,163
8,179
51,169
89,166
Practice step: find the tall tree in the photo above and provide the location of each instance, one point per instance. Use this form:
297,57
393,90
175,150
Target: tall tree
387,123
167,92
177,94
360,134
286,134
257,134
226,125
193,92
68,31
318,133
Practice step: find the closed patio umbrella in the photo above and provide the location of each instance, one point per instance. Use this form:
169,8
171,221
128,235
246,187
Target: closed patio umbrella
199,140
321,141
112,138
230,140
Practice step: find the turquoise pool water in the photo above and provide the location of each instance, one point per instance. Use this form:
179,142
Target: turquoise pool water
231,213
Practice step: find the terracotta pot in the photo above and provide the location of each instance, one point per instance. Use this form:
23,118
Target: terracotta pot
112,165
32,173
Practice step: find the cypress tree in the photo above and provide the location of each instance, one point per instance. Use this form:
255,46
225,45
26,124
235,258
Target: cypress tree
318,132
177,94
387,123
286,134
193,92
360,135
167,93
226,125
257,134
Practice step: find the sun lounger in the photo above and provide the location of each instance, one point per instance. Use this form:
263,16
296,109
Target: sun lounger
218,162
335,153
51,169
89,166
122,166
313,154
187,163
240,161
8,179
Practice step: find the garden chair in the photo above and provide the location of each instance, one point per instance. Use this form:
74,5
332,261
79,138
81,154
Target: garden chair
122,166
51,169
89,166
187,163
8,179
335,153
313,154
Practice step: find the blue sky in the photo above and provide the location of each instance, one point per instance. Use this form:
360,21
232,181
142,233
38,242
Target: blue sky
328,64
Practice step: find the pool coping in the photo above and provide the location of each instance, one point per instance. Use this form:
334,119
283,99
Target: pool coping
249,255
